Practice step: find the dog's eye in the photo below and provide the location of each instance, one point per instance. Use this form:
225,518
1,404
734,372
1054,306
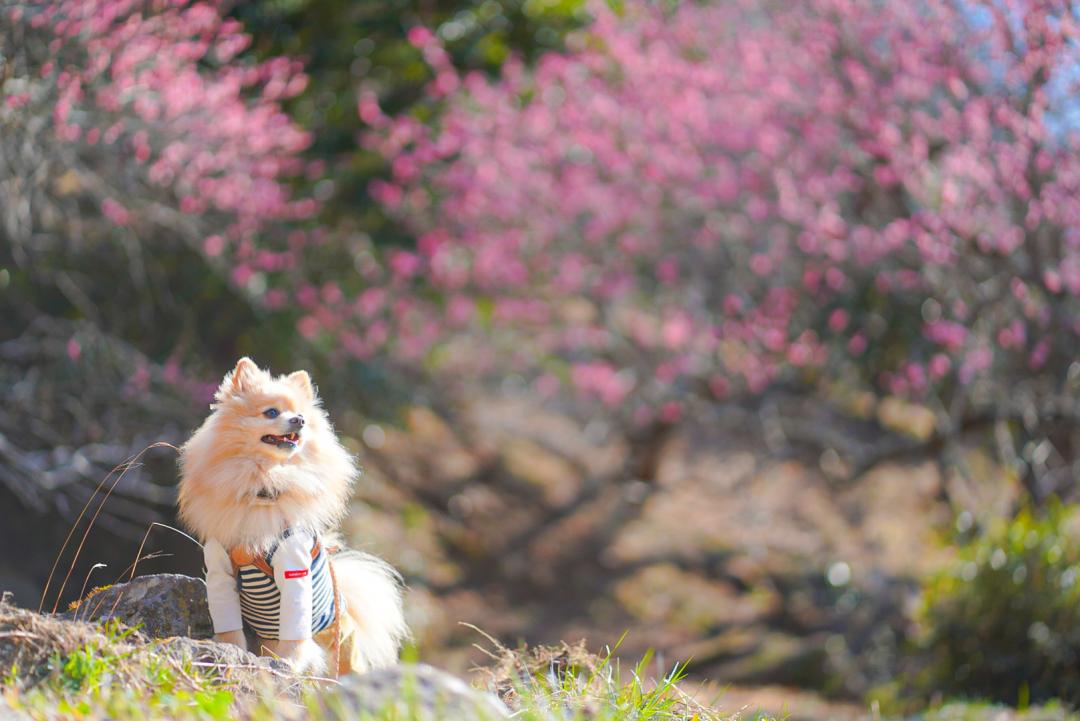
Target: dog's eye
271,413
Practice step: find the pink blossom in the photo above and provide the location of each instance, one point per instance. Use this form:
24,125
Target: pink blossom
939,366
331,293
307,296
974,363
460,309
115,212
719,386
1012,336
1052,281
838,320
420,36
214,246
676,331
171,371
799,354
602,381
947,334
667,270
308,327
275,299
241,274
896,384
916,377
139,381
371,301
670,412
761,264
1039,355
404,264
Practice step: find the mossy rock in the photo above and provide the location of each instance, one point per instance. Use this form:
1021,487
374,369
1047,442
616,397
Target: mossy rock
160,606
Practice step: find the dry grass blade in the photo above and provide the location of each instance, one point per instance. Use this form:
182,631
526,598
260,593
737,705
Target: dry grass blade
67,539
138,554
86,580
127,466
18,634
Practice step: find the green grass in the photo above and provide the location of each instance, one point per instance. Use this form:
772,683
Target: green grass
116,677
97,681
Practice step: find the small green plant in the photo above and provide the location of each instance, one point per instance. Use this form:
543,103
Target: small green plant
568,683
86,667
1003,621
94,664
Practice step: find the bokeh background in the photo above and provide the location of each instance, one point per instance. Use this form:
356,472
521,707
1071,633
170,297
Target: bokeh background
746,328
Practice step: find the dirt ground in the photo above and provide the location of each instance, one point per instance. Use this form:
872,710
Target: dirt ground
763,574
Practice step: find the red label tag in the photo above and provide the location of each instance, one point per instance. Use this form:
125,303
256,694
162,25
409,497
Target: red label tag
296,574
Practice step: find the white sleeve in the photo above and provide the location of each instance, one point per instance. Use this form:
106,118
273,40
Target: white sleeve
221,592
292,572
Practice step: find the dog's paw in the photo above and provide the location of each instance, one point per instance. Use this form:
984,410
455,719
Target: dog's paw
304,656
236,638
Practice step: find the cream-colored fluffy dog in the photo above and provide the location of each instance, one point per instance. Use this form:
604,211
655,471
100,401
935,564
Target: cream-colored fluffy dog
263,483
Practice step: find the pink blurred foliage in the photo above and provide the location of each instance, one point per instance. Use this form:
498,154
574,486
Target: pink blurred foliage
160,83
726,194
701,200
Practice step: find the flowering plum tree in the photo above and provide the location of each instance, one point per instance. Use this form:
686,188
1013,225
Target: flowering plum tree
143,165
144,111
690,205
702,202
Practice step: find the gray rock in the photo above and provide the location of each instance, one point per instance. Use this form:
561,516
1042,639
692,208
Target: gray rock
162,605
417,692
219,655
240,668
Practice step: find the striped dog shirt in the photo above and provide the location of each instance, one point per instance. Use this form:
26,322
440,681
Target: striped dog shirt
260,597
286,594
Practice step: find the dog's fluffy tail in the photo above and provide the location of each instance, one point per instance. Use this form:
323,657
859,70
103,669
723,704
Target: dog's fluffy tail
372,591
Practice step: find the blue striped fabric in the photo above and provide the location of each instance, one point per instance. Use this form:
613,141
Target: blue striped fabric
260,598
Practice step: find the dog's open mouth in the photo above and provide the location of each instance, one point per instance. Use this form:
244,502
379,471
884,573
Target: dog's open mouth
289,440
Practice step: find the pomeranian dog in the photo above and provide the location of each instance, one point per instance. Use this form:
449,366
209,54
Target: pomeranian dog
263,483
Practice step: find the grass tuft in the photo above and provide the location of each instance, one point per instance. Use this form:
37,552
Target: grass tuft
544,683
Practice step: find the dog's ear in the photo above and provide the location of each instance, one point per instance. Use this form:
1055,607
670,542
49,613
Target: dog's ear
301,380
240,379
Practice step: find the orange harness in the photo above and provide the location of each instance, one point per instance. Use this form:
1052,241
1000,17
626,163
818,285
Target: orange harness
243,557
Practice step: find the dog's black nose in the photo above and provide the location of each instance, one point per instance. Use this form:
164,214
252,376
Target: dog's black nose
297,421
